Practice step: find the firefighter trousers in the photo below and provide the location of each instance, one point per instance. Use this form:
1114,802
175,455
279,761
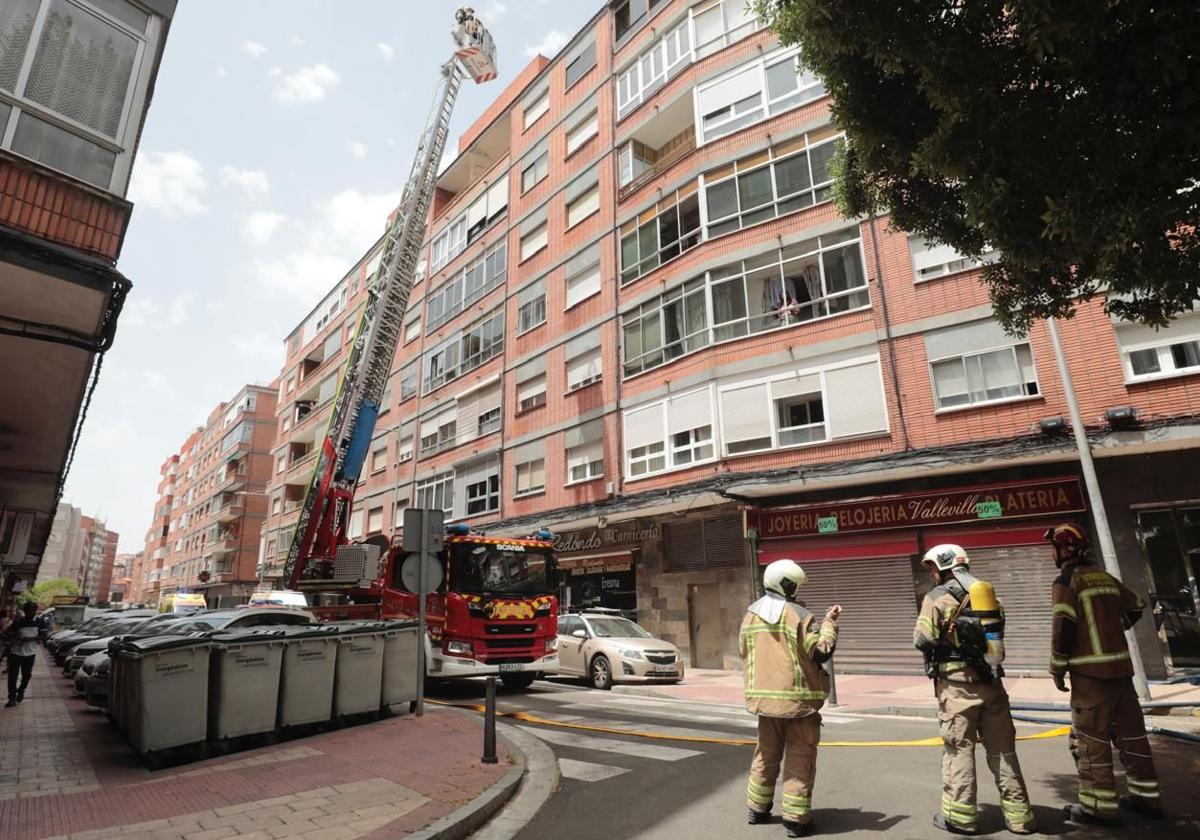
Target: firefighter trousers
970,713
792,743
1104,713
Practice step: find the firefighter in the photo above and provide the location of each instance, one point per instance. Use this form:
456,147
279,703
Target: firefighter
785,687
1092,609
972,703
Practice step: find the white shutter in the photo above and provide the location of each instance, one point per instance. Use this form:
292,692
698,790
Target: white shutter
429,427
966,339
796,387
732,89
644,426
497,196
584,206
927,255
584,454
478,211
527,452
489,399
354,528
584,368
855,400
531,388
328,388
583,285
468,417
590,432
531,292
745,413
531,369
533,242
689,411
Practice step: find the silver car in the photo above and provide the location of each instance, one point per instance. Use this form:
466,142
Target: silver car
607,648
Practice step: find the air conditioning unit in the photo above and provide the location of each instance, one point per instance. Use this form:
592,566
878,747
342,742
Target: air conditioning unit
609,488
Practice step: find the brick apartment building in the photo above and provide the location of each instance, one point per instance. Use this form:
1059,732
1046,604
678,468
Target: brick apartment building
82,550
76,78
204,535
641,322
99,555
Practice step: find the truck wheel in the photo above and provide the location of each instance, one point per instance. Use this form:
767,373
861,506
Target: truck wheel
601,672
517,681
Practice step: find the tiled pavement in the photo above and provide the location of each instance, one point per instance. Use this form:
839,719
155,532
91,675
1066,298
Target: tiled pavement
65,773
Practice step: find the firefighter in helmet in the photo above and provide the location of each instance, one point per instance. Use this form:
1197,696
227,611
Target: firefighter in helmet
1092,609
783,648
972,703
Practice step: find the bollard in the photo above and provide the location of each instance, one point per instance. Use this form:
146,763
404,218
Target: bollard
489,724
832,683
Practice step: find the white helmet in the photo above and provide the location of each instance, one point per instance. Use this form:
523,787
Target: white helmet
945,557
784,577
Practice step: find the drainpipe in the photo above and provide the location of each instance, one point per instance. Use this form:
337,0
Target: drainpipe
887,330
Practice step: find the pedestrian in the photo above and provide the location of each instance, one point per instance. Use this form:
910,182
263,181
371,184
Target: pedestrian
972,703
22,648
1092,609
785,687
5,623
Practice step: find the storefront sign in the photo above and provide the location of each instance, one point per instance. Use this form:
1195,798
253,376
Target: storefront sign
630,534
996,502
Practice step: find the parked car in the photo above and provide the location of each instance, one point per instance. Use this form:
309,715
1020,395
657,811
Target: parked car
155,625
61,643
607,648
73,652
277,598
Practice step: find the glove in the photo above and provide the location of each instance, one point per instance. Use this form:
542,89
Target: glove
1060,682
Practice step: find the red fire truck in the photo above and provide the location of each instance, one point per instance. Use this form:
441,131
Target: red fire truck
496,610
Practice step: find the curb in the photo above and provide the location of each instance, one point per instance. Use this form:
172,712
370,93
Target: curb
539,784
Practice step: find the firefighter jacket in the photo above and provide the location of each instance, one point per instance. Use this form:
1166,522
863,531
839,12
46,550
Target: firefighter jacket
782,650
936,636
1091,611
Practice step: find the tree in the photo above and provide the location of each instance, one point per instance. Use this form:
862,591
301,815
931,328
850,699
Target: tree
44,592
1064,134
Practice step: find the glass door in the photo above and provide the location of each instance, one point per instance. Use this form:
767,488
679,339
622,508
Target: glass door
1171,540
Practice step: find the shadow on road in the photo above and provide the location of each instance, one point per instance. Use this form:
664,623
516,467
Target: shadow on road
849,820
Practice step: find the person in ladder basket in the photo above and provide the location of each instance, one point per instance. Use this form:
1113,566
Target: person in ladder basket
961,643
1092,609
785,687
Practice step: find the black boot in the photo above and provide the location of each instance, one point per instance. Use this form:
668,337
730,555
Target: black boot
12,701
798,829
939,821
1076,814
1141,805
757,817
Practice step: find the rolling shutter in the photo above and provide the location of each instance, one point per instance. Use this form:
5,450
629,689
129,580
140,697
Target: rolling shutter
690,411
855,396
706,544
644,426
1022,576
744,414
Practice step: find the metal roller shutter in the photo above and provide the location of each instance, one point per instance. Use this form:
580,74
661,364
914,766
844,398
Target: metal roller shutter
1022,576
879,611
715,543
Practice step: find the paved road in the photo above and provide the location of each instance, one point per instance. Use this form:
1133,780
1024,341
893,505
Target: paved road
624,786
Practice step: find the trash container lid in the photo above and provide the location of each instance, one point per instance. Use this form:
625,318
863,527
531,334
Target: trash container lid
307,631
349,627
156,643
248,635
400,623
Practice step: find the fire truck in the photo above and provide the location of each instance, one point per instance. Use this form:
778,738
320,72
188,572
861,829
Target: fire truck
495,610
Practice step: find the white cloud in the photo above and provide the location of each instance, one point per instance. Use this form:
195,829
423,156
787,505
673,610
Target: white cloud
304,275
179,309
275,72
297,41
354,220
388,52
358,149
172,183
253,48
147,312
222,73
253,182
551,43
262,350
307,85
260,227
491,11
156,380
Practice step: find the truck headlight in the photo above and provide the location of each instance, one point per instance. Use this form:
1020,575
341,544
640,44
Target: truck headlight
459,648
635,655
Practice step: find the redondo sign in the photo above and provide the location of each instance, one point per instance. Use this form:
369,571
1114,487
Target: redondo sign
411,570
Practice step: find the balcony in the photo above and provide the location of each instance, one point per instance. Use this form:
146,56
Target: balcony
230,512
656,145
654,162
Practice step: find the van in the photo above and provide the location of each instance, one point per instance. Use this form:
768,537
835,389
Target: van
182,603
277,598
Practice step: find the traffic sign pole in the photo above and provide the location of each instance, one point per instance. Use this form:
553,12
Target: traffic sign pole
421,631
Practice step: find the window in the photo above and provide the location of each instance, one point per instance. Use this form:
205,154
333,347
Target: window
437,493
647,459
375,520
755,189
661,233
800,418
438,432
581,60
533,242
531,384
650,71
535,172
483,496
379,459
412,329
531,306
463,353
479,410
404,451
1002,374
763,87
932,260
535,109
486,208
583,275
665,327
585,452
691,446
84,69
530,466
582,131
477,279
644,445
633,159
584,364
479,485
583,206
328,389
408,380
354,528
489,421
280,463
450,242
276,504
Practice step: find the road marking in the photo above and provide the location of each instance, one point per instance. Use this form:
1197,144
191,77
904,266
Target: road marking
611,745
670,709
586,771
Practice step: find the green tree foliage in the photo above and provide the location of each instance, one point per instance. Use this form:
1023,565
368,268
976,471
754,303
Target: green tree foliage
1065,134
44,592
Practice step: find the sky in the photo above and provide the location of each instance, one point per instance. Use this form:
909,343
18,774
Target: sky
278,139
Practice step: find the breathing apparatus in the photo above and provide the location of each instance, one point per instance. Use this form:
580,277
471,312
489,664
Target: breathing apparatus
979,627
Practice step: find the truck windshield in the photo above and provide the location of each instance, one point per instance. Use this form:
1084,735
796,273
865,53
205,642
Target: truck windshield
502,570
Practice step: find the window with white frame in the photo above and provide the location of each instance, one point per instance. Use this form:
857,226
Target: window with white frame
438,432
529,464
404,451
488,422
531,306
535,172
932,260
645,449
379,459
531,384
755,190
436,493
1150,353
450,242
375,520
583,275
579,61
276,505
583,130
584,360
677,432
761,88
354,527
280,463
478,487
665,327
481,276
486,208
673,229
398,509
462,353
977,363
537,108
412,328
479,410
533,242
71,75
408,379
585,452
633,159
692,446
583,206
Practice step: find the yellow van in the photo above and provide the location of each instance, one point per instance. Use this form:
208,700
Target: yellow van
182,602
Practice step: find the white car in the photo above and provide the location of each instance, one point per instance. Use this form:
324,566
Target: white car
606,648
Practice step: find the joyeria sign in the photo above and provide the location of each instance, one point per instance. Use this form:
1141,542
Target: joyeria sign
998,502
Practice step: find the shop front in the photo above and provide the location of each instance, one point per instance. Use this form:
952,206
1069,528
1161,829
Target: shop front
598,567
865,554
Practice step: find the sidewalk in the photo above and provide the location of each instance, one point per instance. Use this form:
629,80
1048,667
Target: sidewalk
65,772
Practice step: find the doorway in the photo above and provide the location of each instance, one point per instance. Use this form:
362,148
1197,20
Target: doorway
704,620
1171,540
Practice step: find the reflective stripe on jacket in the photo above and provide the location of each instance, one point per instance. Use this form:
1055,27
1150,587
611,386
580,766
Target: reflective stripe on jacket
782,675
1089,614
